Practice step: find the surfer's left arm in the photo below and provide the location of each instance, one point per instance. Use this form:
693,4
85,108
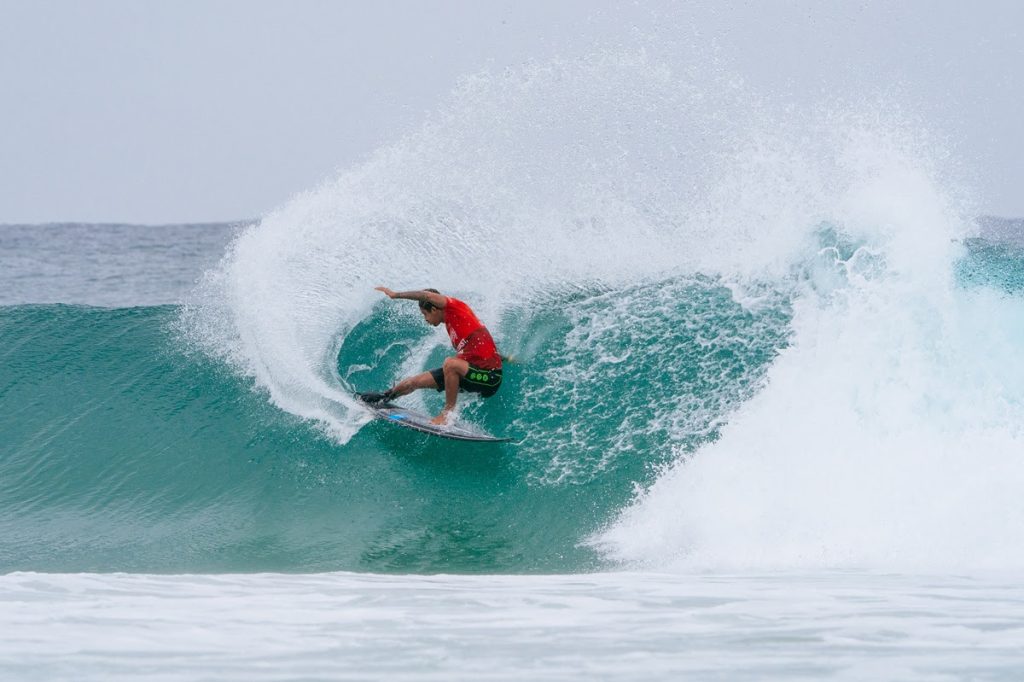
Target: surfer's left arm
420,295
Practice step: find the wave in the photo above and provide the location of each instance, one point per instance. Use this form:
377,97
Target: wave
617,172
889,434
126,450
749,336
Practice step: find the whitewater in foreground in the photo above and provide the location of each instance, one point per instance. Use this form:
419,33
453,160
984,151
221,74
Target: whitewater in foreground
619,626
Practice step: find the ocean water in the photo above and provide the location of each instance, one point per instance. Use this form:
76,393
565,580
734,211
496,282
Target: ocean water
767,403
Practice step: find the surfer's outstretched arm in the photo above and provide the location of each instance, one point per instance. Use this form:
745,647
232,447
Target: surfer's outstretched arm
421,295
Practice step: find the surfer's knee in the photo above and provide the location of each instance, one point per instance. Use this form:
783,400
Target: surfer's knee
454,366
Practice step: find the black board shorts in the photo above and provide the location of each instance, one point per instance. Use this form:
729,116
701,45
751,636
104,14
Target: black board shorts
486,382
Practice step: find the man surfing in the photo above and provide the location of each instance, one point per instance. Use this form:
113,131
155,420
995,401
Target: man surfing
476,366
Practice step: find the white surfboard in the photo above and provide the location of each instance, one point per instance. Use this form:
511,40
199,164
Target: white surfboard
411,419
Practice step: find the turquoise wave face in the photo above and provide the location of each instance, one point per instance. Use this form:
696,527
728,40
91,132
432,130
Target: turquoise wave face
125,452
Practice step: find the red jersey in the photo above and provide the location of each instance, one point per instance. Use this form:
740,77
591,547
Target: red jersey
470,338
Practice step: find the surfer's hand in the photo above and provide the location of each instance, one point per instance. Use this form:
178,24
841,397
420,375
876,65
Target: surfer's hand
387,292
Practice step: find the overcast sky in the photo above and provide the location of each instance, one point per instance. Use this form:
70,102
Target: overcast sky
193,111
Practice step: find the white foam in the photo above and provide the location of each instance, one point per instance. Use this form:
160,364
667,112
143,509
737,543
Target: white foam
617,626
890,434
571,171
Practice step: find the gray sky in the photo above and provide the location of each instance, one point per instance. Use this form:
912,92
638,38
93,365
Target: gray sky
159,112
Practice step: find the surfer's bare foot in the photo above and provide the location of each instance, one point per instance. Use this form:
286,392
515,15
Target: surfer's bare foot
441,419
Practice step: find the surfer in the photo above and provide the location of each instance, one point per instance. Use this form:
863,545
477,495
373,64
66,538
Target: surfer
476,367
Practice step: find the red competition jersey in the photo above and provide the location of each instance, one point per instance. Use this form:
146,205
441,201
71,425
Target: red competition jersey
470,338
